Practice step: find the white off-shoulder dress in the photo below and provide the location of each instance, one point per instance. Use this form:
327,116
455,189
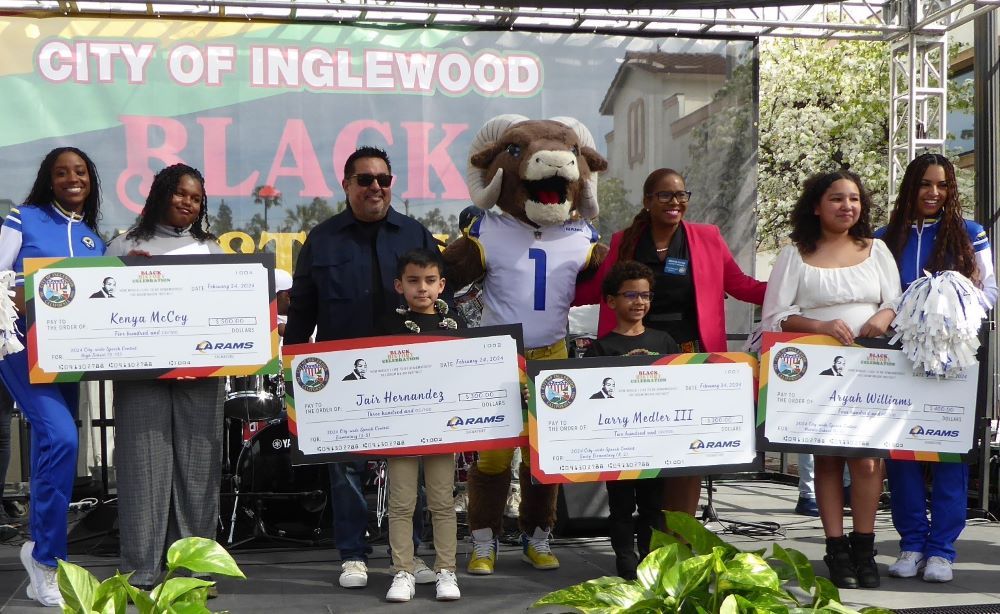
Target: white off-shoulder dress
852,294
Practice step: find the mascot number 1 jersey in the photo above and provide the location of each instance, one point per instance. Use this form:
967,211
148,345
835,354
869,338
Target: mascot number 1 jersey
538,269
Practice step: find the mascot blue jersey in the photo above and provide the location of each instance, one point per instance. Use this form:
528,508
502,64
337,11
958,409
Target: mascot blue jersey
531,273
44,232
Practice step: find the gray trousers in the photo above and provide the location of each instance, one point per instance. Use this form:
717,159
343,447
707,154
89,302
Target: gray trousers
168,454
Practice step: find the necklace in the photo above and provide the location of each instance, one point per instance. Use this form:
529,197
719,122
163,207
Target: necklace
440,307
660,250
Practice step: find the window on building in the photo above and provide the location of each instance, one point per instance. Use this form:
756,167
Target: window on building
636,132
960,121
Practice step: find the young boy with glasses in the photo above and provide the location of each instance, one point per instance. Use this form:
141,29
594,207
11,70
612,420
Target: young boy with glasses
627,290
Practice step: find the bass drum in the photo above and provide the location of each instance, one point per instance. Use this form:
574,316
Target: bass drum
269,496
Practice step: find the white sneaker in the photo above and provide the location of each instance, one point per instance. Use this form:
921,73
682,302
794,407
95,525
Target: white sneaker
938,570
42,584
422,573
402,587
353,574
513,506
908,564
447,586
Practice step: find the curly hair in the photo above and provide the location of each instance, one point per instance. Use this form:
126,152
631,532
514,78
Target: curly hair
623,271
806,229
158,201
41,192
642,220
952,249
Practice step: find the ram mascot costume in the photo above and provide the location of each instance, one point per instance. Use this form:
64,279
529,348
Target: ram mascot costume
529,257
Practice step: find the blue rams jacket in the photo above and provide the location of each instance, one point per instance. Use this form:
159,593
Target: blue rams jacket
31,231
920,243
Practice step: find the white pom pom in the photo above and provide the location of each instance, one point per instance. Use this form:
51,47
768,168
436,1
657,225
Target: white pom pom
937,323
9,343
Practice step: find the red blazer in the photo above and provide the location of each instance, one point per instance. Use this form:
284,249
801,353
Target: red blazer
714,272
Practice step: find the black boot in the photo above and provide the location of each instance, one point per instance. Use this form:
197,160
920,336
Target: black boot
863,554
839,561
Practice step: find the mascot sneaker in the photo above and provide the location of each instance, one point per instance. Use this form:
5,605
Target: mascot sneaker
484,552
537,550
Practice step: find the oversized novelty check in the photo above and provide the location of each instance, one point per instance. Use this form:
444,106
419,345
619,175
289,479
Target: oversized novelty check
819,396
145,318
434,393
599,419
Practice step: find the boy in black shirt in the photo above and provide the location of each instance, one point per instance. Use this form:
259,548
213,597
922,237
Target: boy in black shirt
419,281
628,292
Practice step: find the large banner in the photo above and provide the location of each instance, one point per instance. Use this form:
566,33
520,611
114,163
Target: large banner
270,111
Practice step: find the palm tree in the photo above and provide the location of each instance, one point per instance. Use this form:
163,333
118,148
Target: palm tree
269,197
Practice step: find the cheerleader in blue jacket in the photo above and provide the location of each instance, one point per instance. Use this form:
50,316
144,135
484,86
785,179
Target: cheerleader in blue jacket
57,219
926,231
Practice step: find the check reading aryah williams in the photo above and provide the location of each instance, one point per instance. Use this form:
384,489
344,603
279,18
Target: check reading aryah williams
873,406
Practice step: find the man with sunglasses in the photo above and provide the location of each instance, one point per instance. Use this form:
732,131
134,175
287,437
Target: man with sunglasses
343,285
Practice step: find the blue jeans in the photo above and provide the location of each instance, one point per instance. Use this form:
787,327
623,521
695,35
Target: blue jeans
350,511
807,476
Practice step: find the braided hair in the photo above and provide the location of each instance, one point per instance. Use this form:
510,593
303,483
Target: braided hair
160,194
642,220
952,249
41,194
806,229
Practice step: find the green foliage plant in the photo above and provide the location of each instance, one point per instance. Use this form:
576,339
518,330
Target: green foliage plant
692,571
83,594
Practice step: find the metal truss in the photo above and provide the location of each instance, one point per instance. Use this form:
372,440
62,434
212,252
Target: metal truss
918,92
850,19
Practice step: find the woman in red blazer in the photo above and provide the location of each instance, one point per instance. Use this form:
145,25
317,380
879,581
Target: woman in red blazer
694,272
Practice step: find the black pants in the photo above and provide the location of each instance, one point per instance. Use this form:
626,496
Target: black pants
624,496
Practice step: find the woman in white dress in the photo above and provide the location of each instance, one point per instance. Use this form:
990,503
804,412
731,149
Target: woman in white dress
836,280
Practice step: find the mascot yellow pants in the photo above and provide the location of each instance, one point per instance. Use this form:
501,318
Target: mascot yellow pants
489,479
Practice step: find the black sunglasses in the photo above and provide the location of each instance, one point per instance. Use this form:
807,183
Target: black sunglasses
366,179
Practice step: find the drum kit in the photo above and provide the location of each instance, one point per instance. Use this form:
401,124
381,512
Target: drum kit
263,495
